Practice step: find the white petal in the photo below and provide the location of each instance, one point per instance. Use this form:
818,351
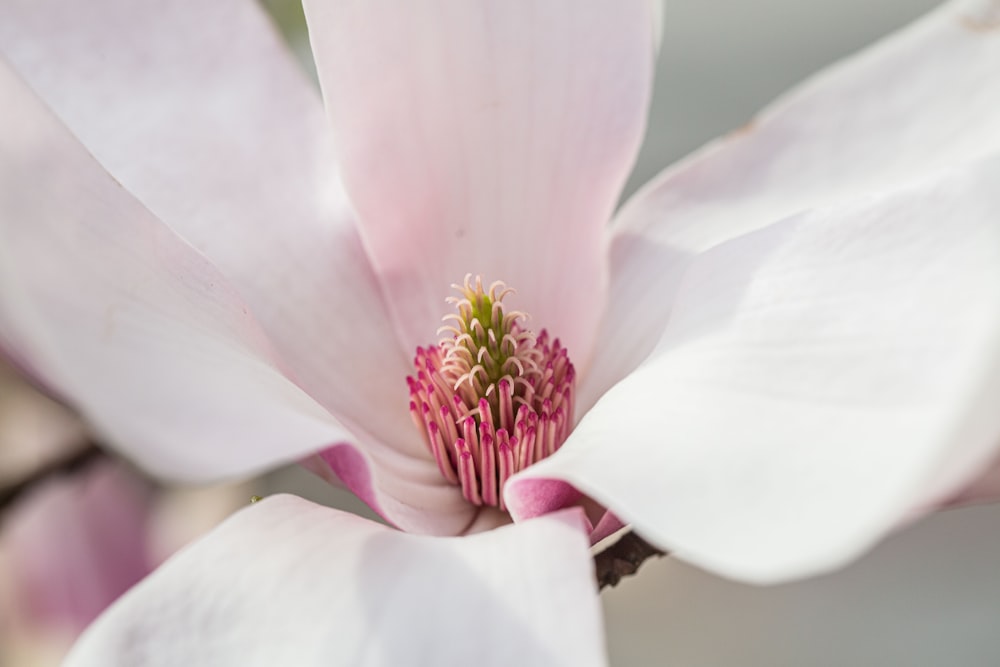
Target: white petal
286,582
201,112
223,138
818,380
924,99
153,346
487,138
116,314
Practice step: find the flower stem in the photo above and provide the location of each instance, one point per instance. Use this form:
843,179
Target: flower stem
622,559
74,462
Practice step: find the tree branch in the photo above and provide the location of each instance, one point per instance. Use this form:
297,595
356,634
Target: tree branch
78,460
622,559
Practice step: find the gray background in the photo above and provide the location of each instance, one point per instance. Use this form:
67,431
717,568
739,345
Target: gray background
929,595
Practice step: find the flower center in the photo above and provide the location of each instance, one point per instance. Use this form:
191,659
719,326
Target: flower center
492,397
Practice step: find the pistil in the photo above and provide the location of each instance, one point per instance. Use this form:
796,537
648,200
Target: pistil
491,398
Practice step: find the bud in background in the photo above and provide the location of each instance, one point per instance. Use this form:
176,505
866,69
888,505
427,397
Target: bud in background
72,544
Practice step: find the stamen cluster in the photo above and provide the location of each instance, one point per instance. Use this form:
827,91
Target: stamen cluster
491,398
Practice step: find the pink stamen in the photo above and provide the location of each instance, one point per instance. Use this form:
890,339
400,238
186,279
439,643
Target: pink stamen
506,457
527,448
471,437
467,474
491,398
437,448
488,472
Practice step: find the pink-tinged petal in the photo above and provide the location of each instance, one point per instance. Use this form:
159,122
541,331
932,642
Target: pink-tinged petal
411,494
818,380
134,328
200,111
922,100
608,525
76,545
490,138
544,496
221,136
286,582
185,397
983,489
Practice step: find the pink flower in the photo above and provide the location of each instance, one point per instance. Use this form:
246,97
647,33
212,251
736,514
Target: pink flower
786,345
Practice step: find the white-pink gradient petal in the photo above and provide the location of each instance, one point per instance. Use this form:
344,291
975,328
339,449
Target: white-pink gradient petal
153,346
923,99
202,113
292,583
408,492
819,379
488,138
224,139
129,324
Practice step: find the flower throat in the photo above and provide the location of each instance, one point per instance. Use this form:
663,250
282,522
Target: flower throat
492,397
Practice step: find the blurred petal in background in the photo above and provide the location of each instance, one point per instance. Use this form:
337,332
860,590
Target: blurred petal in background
70,546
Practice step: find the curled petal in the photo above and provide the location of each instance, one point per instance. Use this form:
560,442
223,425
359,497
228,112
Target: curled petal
818,380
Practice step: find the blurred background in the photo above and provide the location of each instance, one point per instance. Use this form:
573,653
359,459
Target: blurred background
929,595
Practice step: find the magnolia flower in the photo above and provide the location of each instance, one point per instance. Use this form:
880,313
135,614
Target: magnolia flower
783,347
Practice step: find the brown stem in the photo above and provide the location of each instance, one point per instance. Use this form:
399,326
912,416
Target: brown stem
622,559
78,460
